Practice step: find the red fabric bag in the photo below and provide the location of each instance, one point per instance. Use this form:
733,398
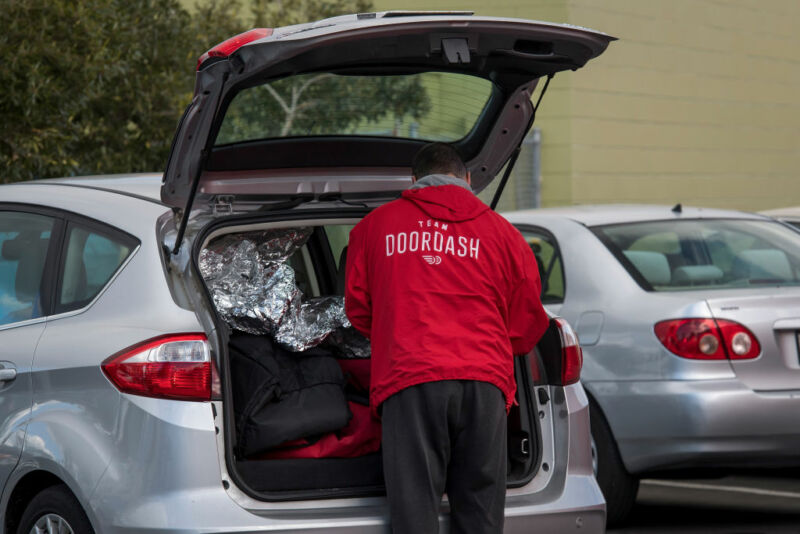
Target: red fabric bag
361,436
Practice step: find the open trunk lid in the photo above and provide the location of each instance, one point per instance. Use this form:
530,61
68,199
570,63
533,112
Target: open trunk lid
509,54
773,316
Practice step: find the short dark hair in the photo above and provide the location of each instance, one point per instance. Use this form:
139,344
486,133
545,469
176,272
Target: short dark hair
438,158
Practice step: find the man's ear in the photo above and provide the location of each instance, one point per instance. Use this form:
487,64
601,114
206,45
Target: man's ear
468,178
413,179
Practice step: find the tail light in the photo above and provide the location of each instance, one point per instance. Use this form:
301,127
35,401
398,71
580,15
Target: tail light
229,46
176,366
571,354
707,339
740,343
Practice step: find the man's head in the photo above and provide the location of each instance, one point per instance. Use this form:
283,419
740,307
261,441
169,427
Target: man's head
438,158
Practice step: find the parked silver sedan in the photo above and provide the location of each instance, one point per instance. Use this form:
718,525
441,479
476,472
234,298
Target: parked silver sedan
689,321
124,380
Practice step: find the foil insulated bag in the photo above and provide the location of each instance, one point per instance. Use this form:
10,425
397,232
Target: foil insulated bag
255,290
282,396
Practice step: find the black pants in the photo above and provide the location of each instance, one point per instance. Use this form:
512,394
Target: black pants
445,436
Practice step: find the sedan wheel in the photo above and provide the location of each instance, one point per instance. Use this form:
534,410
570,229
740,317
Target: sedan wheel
618,486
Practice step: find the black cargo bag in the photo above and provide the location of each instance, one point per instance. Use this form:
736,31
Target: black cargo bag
281,396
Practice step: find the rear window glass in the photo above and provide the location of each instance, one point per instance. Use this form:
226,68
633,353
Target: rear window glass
91,259
433,106
680,255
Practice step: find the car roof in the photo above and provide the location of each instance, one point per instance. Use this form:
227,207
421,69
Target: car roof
146,186
597,215
783,213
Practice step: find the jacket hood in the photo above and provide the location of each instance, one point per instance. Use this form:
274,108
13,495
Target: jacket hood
442,198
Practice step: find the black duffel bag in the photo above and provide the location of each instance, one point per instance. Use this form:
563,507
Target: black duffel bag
281,396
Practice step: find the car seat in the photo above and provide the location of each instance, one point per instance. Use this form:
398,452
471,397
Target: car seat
653,266
761,264
696,274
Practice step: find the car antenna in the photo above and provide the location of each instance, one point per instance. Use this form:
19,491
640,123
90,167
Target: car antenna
677,208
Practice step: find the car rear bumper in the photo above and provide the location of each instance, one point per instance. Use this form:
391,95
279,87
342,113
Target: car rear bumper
704,423
210,510
166,478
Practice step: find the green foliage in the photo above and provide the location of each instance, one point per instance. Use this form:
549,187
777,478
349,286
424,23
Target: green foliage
97,86
322,104
91,86
275,13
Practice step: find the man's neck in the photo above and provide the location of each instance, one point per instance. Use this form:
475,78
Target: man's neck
440,179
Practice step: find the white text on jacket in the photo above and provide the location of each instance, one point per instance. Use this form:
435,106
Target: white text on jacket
435,241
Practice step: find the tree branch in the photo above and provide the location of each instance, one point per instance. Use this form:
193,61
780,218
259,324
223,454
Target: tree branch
279,98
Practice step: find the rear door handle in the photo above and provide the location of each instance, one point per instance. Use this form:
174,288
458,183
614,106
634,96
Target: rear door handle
6,375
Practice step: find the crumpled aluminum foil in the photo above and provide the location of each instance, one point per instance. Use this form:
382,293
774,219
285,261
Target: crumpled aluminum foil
308,323
254,290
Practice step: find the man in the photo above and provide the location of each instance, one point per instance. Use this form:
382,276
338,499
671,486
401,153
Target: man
447,291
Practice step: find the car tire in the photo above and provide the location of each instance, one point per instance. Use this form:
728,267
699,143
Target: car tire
618,486
54,510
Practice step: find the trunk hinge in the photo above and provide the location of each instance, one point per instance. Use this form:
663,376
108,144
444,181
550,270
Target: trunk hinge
514,155
222,204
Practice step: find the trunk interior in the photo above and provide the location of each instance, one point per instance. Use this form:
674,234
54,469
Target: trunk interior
341,461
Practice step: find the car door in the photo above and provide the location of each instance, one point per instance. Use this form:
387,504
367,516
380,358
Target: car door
28,244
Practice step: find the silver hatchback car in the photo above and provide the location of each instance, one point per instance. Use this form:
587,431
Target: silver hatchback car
123,394
689,321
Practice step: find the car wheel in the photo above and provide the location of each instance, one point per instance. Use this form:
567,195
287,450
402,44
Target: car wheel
55,510
618,486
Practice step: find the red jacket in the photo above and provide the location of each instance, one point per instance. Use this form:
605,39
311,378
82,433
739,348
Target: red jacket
445,289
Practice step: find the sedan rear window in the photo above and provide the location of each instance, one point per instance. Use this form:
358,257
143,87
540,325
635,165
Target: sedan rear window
433,106
688,254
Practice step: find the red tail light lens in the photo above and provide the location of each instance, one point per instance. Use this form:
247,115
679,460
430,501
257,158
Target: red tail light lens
169,367
571,353
707,339
696,339
740,343
229,46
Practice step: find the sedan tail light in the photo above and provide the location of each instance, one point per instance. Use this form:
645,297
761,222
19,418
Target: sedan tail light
740,343
571,353
707,339
175,366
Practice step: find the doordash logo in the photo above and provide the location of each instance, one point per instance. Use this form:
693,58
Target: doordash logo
404,242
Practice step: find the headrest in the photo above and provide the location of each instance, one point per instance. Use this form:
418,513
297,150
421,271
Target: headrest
652,265
696,274
766,263
13,249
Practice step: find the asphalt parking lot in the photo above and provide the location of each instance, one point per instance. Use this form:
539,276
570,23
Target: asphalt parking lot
730,505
